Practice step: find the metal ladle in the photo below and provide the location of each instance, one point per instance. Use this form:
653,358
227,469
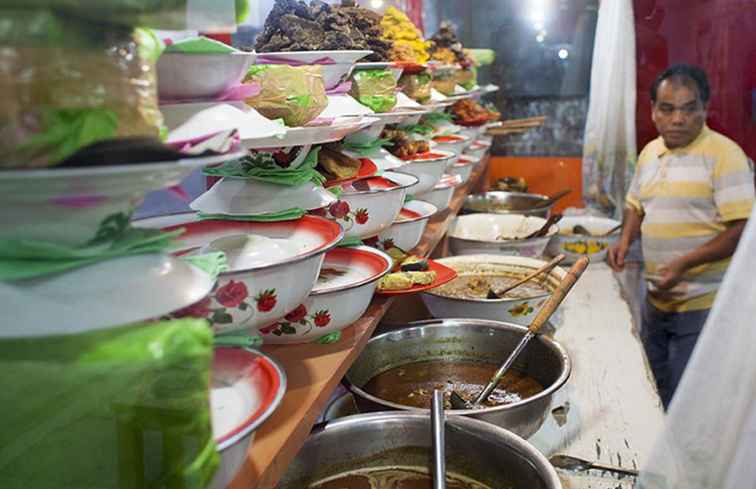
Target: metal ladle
568,462
439,451
541,318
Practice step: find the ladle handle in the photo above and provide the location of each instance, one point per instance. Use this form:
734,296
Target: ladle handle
544,269
439,451
559,195
544,230
559,294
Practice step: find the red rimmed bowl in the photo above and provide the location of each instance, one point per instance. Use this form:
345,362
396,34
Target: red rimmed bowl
408,228
454,143
478,149
428,167
464,167
367,207
343,293
273,266
246,388
443,192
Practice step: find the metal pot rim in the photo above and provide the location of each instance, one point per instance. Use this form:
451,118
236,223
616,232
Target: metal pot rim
488,196
443,323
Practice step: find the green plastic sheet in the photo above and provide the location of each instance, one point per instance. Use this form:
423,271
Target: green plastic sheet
266,170
375,89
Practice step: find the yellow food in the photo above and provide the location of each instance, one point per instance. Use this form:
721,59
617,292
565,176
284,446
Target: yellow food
395,281
407,39
588,247
422,278
445,56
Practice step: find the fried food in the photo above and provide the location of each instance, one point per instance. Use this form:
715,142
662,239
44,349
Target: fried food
336,165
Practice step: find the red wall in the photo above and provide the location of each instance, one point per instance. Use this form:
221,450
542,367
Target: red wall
719,36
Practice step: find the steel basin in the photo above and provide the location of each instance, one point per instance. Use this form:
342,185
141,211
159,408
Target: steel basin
483,452
465,339
521,203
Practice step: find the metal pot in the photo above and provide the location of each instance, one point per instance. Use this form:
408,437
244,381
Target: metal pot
465,339
519,203
482,452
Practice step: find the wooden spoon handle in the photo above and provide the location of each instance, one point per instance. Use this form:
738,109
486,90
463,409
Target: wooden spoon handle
559,195
544,269
553,219
615,228
559,294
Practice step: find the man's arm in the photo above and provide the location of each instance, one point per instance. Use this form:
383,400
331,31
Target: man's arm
630,232
720,247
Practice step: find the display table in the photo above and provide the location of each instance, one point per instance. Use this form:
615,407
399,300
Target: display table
313,371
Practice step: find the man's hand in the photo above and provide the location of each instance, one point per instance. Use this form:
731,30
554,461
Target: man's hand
616,255
671,274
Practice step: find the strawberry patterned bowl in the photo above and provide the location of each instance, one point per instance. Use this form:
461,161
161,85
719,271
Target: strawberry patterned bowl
344,290
428,167
272,266
368,207
441,195
247,386
408,228
519,308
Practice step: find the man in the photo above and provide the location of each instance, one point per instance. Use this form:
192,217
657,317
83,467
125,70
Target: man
689,200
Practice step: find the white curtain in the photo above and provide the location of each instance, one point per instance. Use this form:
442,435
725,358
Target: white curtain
709,439
609,148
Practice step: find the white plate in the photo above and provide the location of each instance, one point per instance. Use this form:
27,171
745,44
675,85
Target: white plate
301,136
111,293
68,205
404,102
345,105
237,197
333,74
189,121
200,76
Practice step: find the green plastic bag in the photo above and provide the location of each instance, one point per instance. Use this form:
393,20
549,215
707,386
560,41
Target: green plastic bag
295,94
375,89
124,408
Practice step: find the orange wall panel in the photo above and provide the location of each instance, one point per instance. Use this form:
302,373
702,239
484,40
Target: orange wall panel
545,175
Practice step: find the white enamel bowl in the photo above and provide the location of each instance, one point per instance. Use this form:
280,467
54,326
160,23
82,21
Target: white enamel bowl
246,388
373,204
336,65
111,293
342,295
408,228
518,311
429,170
200,76
464,167
442,193
473,132
239,197
272,265
188,121
575,246
478,149
68,205
454,143
474,234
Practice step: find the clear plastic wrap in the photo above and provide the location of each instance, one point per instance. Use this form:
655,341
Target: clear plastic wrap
124,408
375,89
417,86
68,83
295,94
709,436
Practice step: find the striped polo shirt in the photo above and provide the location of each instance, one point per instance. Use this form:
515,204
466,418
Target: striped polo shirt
686,195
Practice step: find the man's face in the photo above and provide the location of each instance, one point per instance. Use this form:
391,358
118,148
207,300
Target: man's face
678,113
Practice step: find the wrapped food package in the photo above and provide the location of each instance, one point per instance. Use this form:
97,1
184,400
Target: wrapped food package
417,86
467,78
409,45
445,81
295,94
68,83
121,408
375,89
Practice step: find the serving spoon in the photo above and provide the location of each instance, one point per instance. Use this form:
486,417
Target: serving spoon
439,450
544,230
541,318
498,294
569,462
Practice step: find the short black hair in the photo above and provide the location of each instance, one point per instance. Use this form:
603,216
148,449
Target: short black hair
684,72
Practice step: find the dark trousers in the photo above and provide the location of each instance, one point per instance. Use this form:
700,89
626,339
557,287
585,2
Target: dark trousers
669,339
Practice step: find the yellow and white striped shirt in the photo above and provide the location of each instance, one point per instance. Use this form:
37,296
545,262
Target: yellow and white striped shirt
686,195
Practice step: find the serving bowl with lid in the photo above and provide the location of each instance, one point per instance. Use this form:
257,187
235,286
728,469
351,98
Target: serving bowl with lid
465,340
498,234
340,297
273,266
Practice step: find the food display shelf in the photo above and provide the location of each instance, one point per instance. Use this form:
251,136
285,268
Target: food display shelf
314,370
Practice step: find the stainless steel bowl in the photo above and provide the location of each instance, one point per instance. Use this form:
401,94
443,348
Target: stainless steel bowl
518,203
465,339
480,451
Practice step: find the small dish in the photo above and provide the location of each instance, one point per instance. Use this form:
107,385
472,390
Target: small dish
574,246
343,293
200,76
444,275
408,228
428,167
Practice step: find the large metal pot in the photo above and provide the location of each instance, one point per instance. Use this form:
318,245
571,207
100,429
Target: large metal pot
480,451
465,339
517,203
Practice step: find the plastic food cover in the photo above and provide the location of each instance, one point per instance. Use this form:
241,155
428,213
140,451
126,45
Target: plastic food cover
68,83
375,89
417,86
709,436
295,94
124,408
207,15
